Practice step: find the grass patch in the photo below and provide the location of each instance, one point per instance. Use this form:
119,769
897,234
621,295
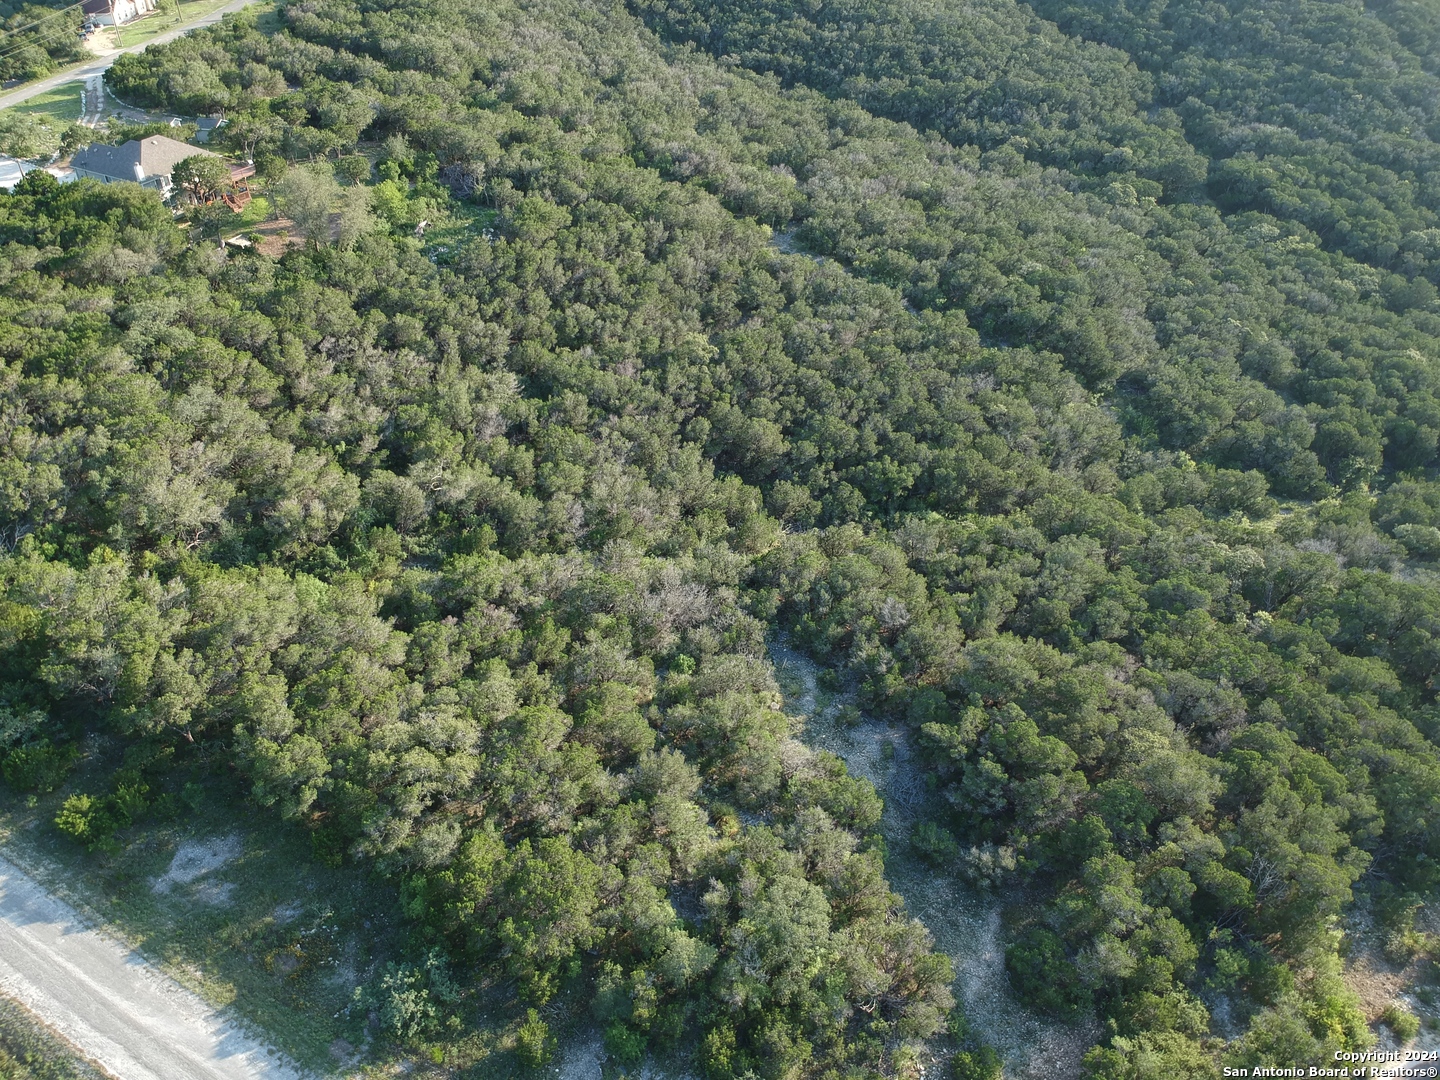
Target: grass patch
29,1050
255,214
33,129
268,20
143,30
61,105
458,224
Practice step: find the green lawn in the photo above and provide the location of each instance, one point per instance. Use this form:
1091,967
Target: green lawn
254,214
268,21
61,104
142,31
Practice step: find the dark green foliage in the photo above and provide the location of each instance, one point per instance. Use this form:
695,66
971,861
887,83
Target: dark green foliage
981,1064
1043,975
934,843
1239,366
456,682
464,550
1160,1056
624,1044
38,766
39,37
1335,138
413,1002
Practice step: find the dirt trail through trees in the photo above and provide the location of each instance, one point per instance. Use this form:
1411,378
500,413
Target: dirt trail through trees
109,1002
965,921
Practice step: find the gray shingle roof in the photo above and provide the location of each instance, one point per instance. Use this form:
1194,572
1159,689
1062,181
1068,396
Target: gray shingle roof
157,156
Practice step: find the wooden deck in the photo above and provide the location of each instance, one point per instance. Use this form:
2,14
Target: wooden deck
238,197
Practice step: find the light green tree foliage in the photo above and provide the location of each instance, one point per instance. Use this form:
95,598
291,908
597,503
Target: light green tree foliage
203,176
25,136
1152,1057
307,195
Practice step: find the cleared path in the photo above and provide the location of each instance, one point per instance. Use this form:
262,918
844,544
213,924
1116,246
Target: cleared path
101,64
104,998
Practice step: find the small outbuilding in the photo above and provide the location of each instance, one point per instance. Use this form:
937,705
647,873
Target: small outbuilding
206,126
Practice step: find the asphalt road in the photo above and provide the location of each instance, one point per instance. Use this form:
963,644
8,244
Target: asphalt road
102,64
104,998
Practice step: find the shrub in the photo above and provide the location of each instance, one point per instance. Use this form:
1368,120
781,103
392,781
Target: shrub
1043,975
1232,968
328,846
981,1064
1421,541
412,1000
533,1041
624,1044
1401,1021
130,801
720,1055
39,767
934,844
86,819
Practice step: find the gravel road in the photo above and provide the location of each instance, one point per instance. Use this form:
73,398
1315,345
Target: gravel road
132,1020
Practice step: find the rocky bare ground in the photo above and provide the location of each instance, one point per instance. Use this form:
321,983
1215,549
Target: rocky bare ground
964,920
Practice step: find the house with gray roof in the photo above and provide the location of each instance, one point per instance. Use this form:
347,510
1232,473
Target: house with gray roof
148,162
205,126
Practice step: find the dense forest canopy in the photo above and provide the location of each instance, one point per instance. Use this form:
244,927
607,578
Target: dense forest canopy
38,37
1058,386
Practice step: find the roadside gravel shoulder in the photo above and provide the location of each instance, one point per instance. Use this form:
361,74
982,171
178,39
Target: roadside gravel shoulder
112,1004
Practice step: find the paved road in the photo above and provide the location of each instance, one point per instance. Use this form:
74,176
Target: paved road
136,1022
102,64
